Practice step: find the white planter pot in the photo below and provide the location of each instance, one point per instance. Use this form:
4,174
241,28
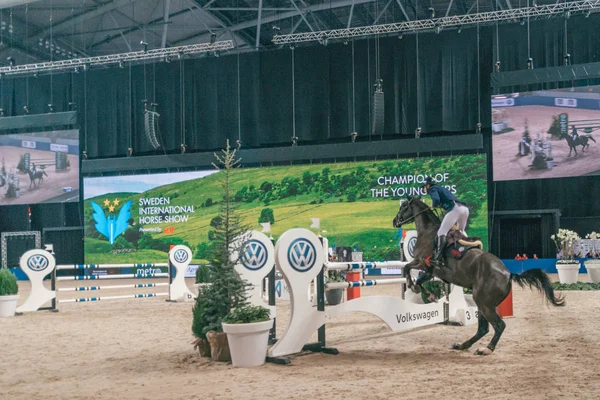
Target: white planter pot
593,270
8,305
248,342
568,273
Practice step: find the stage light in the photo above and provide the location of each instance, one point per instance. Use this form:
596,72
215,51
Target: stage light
213,38
144,46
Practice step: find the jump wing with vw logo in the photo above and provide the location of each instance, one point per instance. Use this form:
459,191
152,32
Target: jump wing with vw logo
38,262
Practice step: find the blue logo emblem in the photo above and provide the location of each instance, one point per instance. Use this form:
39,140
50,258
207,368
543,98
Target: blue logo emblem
254,255
180,256
278,289
111,226
411,246
38,262
302,255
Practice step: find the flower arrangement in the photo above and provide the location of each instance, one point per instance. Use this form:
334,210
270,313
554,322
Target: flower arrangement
564,244
593,236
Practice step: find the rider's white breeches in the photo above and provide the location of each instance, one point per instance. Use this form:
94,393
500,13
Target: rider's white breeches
457,216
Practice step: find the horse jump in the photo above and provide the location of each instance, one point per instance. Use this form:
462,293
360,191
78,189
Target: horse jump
300,256
37,264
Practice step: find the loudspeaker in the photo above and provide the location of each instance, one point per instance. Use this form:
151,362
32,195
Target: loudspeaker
378,112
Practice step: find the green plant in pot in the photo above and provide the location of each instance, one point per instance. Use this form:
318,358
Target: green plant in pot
334,296
9,293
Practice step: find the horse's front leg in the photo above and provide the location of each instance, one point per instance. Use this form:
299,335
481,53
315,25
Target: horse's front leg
406,272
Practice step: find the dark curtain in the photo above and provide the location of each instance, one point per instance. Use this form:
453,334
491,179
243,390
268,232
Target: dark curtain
453,90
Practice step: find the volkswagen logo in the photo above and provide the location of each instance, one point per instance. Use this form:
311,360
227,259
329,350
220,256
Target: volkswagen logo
302,255
411,246
38,262
180,256
254,255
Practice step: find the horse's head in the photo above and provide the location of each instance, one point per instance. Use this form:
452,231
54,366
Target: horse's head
405,213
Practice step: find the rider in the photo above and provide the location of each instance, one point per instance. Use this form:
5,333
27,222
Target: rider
456,212
575,135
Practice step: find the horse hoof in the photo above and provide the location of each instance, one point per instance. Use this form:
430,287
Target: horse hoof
485,351
432,298
458,346
416,289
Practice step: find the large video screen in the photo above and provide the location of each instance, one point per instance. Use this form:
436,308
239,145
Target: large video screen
41,167
546,134
137,218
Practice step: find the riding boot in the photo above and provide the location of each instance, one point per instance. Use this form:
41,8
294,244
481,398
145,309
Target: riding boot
438,257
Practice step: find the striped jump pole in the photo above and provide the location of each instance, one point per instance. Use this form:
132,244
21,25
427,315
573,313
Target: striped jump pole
120,276
93,288
353,266
368,282
108,266
126,296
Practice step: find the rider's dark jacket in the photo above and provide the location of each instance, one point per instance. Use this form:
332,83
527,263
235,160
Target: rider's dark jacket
441,196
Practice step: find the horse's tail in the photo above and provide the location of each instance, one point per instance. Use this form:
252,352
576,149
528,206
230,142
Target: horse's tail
591,137
44,172
538,279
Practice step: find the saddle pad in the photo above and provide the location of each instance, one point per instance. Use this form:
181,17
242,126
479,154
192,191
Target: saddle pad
460,251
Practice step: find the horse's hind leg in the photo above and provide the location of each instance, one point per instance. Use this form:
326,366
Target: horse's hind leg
497,323
482,329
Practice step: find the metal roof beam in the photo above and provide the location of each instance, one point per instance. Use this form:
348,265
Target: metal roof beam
68,23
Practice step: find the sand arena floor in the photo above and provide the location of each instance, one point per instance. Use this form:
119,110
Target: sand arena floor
140,349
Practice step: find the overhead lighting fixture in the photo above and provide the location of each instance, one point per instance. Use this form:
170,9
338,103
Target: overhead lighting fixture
213,38
431,12
69,65
144,46
506,16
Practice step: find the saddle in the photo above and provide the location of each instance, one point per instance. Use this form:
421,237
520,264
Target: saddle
459,244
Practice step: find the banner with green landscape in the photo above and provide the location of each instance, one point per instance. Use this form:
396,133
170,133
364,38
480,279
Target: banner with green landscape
135,219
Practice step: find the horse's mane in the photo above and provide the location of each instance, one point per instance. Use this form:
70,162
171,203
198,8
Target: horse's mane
429,213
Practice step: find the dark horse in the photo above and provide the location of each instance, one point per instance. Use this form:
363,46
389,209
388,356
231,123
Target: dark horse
581,140
37,175
478,270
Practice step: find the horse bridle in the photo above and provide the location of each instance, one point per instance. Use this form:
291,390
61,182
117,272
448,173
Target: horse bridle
412,218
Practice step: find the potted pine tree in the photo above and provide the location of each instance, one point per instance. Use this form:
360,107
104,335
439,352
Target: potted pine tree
227,291
9,293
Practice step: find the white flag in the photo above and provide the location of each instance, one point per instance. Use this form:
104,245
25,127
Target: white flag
316,223
266,226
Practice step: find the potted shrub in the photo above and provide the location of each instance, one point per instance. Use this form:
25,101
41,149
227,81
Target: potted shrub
226,291
247,330
334,296
566,265
9,293
593,266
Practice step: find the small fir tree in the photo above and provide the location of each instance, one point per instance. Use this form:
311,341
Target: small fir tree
227,291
